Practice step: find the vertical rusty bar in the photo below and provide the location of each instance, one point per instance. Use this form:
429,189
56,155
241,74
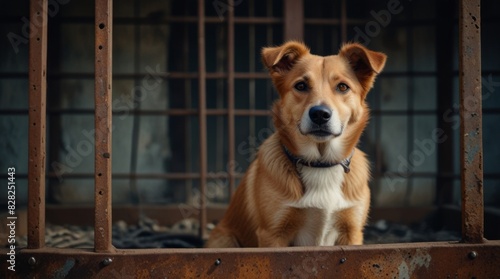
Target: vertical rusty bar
136,119
343,21
294,20
230,92
103,125
252,138
202,116
37,119
471,146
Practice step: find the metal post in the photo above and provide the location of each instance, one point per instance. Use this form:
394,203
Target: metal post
37,120
103,126
471,145
294,19
230,98
202,116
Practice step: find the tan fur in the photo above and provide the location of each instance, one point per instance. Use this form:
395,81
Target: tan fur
268,210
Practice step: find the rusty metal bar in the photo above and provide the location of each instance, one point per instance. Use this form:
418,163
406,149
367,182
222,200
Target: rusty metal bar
103,125
163,21
294,19
471,141
37,119
168,176
409,260
343,21
252,49
209,75
230,98
202,116
193,175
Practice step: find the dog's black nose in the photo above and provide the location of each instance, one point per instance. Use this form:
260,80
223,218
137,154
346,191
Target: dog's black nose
320,114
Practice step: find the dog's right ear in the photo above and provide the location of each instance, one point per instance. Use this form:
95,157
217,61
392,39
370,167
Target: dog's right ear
282,58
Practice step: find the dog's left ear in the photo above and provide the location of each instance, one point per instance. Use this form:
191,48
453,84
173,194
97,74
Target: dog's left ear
365,63
282,58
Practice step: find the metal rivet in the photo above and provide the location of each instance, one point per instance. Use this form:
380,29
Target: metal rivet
32,262
106,155
343,260
218,262
107,261
472,255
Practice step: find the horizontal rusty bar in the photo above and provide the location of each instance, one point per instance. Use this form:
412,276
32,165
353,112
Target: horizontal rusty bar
215,175
221,112
37,93
174,19
413,260
171,112
170,176
359,21
212,75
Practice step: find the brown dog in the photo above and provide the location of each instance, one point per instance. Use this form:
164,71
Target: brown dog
309,183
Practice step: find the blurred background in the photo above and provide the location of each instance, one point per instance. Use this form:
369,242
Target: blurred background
412,139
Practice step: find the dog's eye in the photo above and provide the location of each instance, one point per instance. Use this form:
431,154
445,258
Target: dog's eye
342,88
301,86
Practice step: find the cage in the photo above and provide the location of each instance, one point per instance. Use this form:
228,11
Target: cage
161,106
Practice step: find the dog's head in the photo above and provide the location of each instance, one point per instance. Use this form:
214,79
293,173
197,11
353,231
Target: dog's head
322,98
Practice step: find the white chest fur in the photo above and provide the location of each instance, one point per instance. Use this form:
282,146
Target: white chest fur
323,197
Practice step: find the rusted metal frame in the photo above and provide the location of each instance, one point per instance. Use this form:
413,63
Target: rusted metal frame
202,117
230,98
103,125
413,260
471,144
294,19
37,120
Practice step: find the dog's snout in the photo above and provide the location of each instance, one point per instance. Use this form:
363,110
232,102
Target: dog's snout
320,114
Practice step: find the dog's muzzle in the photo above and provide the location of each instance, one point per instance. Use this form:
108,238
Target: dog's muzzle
319,118
320,114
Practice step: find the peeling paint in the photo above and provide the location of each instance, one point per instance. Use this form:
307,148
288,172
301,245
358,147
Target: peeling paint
471,152
421,258
403,271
